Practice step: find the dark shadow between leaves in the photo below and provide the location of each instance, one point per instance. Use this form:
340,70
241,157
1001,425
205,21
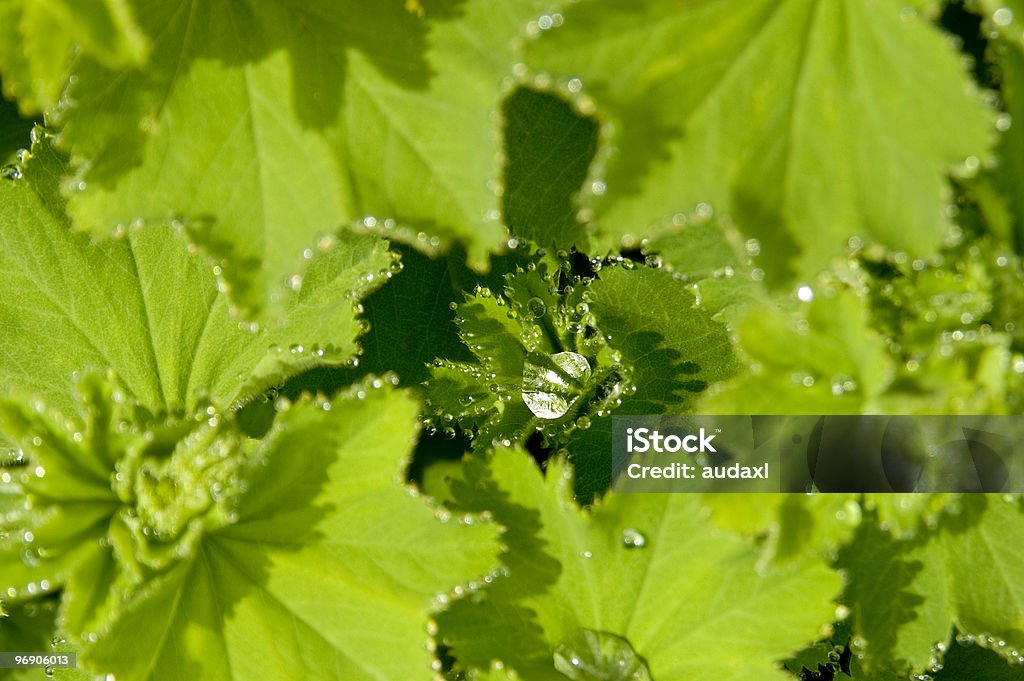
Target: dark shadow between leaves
644,145
972,508
966,662
879,581
664,378
14,130
549,148
510,630
760,218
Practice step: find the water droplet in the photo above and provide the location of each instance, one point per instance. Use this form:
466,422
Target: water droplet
805,293
633,538
1003,16
536,307
704,211
11,172
553,382
589,655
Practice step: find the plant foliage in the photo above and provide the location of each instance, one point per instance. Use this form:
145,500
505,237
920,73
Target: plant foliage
316,317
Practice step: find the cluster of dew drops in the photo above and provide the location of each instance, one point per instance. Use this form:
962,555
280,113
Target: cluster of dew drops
16,170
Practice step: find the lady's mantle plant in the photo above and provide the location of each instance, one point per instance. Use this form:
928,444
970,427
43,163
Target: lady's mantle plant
315,319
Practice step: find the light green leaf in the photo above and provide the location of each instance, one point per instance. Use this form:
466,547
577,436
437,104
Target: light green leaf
92,517
821,358
234,558
320,542
146,308
710,254
792,525
262,129
39,40
645,568
910,594
808,121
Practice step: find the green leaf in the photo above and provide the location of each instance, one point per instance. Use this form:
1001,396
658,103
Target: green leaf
822,358
792,525
319,540
710,254
827,653
262,130
236,558
146,308
108,493
644,568
39,41
668,348
910,594
648,346
674,347
807,121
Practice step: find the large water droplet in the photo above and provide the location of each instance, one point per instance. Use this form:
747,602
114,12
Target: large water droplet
599,656
536,307
553,382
